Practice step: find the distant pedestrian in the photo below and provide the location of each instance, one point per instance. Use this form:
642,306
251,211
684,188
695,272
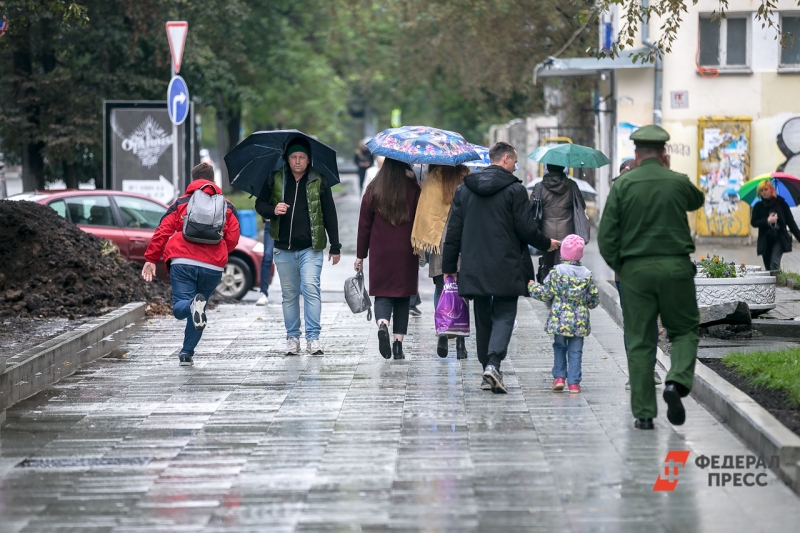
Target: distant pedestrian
559,195
429,232
384,234
571,289
195,269
626,166
491,223
645,238
363,159
301,210
266,264
372,172
772,216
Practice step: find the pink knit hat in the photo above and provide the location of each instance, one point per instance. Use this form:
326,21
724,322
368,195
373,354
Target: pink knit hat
572,248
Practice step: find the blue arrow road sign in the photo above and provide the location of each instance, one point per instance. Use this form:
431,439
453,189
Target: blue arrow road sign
177,100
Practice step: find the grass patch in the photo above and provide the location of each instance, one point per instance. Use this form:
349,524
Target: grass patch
786,278
778,370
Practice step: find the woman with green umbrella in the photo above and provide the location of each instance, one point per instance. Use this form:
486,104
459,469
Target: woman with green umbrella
772,216
563,206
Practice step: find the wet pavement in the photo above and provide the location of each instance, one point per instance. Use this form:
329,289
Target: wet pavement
251,440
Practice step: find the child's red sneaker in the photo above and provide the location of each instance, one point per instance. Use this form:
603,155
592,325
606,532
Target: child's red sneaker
574,389
558,384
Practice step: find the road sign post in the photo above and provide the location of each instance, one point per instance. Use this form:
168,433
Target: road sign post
177,93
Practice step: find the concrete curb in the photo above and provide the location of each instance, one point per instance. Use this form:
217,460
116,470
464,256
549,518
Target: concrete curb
29,372
778,328
761,431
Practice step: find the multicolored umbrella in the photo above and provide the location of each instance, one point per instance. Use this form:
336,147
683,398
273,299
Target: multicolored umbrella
484,161
570,155
423,145
786,186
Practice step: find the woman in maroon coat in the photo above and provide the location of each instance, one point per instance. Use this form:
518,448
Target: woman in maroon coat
384,233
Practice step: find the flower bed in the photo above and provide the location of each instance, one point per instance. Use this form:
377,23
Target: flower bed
718,281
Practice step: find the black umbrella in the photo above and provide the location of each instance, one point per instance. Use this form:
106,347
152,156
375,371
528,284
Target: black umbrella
255,158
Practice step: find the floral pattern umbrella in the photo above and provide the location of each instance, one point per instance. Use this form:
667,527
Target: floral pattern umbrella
423,145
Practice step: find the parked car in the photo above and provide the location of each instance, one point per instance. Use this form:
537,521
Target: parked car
129,220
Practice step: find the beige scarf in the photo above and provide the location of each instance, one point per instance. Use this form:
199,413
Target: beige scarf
426,236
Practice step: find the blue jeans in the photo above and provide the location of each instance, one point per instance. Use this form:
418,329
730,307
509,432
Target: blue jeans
564,347
299,272
187,282
266,262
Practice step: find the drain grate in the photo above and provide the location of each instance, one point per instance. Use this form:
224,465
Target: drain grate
84,462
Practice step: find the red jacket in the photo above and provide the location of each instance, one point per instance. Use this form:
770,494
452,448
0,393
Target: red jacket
169,233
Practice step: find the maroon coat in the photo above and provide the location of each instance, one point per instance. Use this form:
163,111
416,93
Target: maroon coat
393,267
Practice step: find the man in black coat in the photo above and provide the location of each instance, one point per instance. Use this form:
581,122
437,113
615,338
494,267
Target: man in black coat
491,224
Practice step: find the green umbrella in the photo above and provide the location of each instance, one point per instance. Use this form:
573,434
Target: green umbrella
570,155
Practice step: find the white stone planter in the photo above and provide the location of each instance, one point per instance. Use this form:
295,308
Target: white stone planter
758,291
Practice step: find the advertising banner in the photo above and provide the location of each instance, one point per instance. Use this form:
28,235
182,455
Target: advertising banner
138,149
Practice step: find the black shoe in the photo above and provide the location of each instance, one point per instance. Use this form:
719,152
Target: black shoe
675,412
397,349
383,341
644,423
485,385
461,348
441,346
414,311
495,379
185,359
198,309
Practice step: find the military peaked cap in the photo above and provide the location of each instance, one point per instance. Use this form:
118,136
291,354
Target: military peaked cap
650,135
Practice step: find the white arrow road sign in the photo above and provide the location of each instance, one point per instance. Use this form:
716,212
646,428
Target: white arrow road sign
161,190
176,34
178,100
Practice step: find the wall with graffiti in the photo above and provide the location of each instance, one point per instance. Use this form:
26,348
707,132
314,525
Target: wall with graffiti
723,167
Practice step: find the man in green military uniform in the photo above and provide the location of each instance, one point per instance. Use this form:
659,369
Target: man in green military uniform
644,236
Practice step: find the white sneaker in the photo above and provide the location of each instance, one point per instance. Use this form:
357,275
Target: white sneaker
292,346
198,311
315,347
262,300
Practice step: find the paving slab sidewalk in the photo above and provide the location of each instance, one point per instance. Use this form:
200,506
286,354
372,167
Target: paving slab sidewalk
251,440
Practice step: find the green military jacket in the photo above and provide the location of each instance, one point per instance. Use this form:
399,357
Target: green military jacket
318,238
645,215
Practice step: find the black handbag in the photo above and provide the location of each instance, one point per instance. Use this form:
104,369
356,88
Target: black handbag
542,271
536,203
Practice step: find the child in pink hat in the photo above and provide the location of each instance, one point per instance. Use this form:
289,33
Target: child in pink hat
573,292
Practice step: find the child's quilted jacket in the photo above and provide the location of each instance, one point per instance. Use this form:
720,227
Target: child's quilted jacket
573,292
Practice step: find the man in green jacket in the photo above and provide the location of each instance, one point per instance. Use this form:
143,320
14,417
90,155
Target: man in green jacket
301,210
645,238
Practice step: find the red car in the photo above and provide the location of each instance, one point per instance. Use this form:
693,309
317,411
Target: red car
129,220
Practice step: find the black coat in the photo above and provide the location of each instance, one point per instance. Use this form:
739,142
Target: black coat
768,234
491,224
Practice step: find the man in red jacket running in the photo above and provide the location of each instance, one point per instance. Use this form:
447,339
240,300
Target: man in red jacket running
195,269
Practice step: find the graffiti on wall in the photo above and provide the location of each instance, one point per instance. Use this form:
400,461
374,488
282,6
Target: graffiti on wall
723,167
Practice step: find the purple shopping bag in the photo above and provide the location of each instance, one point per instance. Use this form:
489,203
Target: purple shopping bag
452,312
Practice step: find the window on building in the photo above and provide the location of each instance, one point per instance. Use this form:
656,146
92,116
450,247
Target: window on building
791,54
724,43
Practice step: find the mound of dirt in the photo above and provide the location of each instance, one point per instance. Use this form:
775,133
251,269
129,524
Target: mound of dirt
50,268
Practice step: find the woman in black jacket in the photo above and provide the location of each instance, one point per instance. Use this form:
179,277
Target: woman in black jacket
772,216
